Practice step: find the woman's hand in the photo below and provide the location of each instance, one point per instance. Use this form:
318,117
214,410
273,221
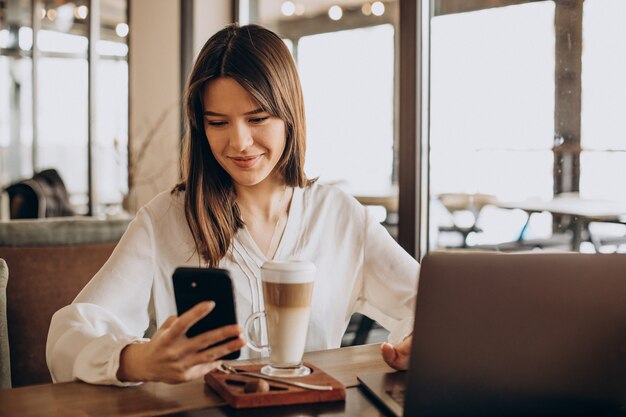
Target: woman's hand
397,356
172,357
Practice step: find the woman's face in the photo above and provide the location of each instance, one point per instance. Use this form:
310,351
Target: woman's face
245,140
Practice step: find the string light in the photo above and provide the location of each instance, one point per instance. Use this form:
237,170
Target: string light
81,12
335,13
288,8
366,9
121,30
52,14
378,8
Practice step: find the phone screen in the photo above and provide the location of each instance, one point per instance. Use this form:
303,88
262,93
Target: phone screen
195,285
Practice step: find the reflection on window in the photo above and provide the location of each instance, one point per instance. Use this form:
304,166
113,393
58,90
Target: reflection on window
492,114
603,175
350,106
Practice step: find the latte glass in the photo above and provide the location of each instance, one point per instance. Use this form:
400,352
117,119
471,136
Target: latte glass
287,291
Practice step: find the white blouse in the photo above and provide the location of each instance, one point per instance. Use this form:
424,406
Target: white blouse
360,268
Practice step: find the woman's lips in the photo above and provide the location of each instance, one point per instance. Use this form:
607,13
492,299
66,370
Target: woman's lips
245,161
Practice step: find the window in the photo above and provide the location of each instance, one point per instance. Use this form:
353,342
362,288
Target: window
491,118
350,106
59,135
603,141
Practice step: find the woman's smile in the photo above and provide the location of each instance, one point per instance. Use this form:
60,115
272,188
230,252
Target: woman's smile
245,161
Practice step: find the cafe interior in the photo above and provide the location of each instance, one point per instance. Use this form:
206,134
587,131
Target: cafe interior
462,125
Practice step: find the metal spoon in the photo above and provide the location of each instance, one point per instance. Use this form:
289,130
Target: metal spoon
227,369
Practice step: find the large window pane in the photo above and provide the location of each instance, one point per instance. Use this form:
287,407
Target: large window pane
491,117
603,172
350,106
62,125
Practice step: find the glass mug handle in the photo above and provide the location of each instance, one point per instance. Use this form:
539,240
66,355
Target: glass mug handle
248,331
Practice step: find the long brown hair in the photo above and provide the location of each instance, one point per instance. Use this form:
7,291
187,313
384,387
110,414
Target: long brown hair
260,62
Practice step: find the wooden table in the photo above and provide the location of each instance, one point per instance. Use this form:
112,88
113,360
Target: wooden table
77,399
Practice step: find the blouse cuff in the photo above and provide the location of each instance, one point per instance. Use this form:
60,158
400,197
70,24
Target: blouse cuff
105,362
114,363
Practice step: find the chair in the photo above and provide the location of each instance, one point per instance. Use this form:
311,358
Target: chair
5,368
43,195
472,203
51,260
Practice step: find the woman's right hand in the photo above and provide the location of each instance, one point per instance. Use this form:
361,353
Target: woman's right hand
170,356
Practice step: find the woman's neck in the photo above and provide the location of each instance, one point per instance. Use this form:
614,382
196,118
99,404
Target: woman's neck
265,201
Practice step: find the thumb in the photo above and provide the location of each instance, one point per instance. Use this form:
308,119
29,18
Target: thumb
389,353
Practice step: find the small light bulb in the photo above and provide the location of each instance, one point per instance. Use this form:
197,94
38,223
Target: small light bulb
366,9
378,8
121,29
288,8
81,12
335,12
52,14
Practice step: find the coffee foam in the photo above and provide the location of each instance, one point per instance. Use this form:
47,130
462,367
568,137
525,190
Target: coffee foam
288,272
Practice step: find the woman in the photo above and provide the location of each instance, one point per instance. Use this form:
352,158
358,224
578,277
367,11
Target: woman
244,199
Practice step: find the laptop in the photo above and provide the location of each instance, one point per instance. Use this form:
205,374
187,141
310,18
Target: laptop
513,334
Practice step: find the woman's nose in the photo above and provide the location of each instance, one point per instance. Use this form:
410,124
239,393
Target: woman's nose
240,136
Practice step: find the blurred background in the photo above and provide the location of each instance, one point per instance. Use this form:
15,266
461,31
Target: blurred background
458,123
473,124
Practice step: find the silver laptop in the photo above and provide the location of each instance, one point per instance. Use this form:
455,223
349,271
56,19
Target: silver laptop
514,334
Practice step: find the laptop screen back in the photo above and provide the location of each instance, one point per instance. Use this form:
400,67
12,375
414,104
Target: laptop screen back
518,334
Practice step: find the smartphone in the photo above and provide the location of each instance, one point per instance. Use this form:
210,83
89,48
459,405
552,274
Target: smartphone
195,285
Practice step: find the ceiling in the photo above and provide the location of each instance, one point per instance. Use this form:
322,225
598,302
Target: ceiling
270,10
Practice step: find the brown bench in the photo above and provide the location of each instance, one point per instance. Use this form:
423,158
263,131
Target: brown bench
49,262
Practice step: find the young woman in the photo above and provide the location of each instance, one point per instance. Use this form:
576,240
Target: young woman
244,199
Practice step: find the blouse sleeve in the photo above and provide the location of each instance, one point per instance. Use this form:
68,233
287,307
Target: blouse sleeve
85,338
389,282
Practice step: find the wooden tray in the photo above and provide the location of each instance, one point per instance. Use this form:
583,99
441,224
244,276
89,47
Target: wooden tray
230,387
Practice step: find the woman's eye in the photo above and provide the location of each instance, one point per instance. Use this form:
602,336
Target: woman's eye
257,120
215,123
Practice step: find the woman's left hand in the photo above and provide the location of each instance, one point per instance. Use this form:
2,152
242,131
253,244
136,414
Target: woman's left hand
397,356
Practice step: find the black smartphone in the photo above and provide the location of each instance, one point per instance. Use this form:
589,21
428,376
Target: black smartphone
195,285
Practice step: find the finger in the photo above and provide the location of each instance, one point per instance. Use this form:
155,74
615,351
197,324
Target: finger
164,327
168,323
213,354
211,337
188,319
389,354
